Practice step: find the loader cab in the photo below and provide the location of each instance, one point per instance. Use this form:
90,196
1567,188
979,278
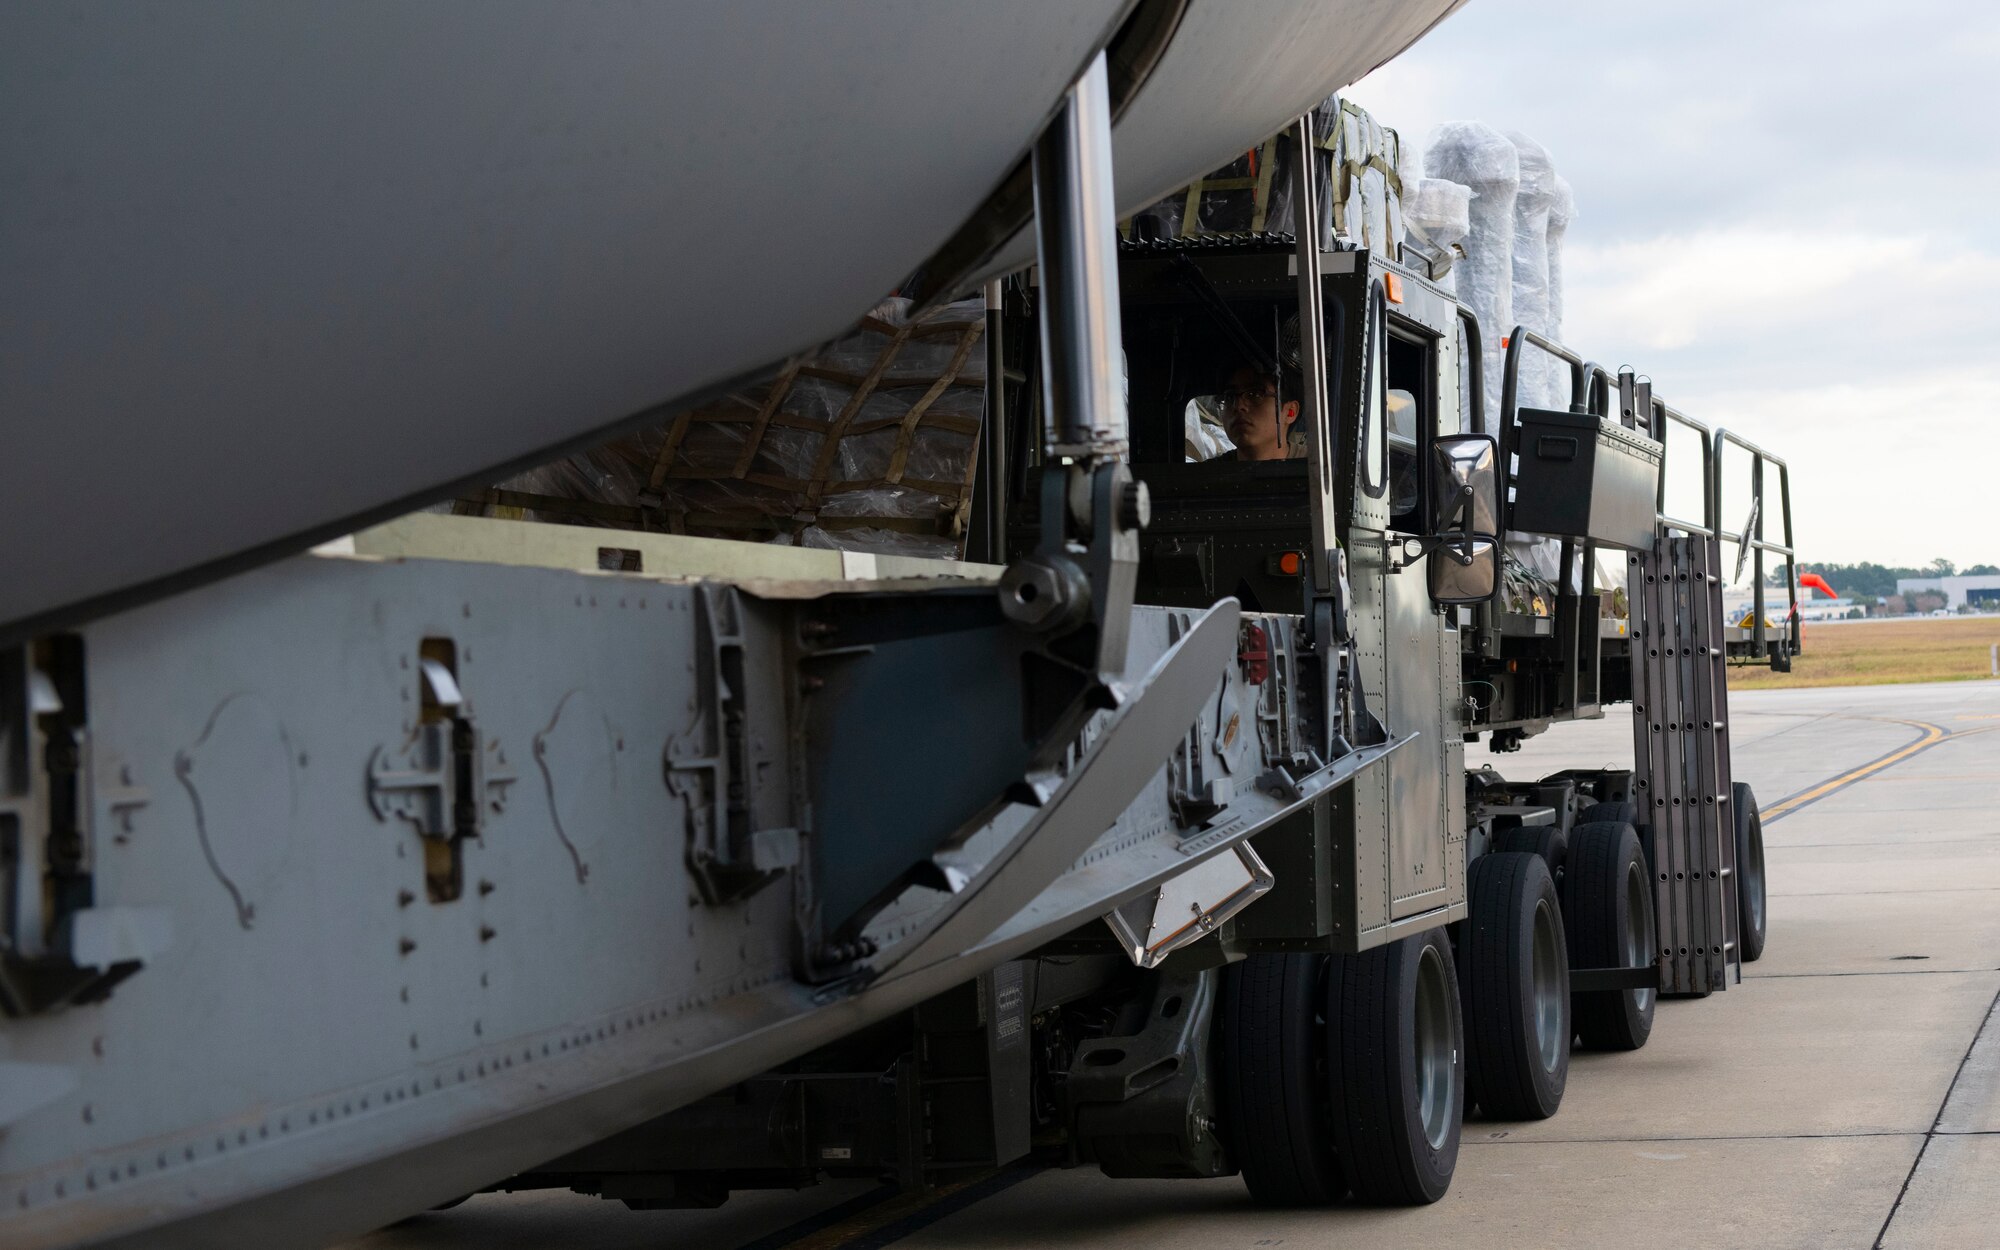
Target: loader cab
1195,313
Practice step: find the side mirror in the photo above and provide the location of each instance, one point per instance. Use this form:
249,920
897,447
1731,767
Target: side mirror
1465,571
1465,482
1464,548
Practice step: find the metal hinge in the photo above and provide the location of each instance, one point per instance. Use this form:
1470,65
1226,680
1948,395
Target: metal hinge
709,767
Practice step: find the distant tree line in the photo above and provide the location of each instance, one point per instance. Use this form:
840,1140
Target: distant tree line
1874,581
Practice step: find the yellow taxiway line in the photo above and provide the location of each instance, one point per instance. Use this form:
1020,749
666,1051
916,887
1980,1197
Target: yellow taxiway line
1931,736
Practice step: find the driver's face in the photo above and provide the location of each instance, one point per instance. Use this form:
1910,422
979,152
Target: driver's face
1251,411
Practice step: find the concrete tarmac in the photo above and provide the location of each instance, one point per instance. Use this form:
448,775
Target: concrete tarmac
1847,1093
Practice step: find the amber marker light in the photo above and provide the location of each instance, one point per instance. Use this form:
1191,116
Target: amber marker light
1392,285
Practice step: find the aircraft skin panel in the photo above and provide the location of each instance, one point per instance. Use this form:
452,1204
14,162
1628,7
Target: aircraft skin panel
1227,81
270,269
273,272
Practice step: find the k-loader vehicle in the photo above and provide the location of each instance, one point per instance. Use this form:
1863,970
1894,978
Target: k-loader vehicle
362,880
1382,939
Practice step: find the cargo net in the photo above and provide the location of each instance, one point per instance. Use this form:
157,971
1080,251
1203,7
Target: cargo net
1354,156
867,444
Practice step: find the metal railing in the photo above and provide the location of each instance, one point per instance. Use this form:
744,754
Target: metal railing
1597,389
1591,389
1664,415
1511,370
1751,543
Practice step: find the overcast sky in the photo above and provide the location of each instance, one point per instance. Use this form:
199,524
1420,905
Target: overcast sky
1785,215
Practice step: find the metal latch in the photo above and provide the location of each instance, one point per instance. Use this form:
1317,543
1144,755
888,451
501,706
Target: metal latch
443,779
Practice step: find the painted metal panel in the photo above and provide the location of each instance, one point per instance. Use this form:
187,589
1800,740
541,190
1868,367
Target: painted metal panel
1369,798
1419,848
316,1047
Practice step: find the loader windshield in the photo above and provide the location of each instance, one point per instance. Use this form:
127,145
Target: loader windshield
1211,403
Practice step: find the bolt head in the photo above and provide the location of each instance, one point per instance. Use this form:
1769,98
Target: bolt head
1135,506
1036,594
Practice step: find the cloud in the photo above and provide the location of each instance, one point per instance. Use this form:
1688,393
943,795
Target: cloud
1784,218
1678,291
1875,116
1890,471
1716,290
1845,353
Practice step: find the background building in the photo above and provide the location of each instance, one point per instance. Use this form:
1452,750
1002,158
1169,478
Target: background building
1980,591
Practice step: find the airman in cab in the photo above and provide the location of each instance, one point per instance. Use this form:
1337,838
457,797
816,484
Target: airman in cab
1250,420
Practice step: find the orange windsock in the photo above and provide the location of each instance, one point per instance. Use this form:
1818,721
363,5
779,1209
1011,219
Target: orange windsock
1813,581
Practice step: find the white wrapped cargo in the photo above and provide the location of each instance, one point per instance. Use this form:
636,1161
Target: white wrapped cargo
1437,214
1480,158
1538,384
1561,212
1409,172
1544,381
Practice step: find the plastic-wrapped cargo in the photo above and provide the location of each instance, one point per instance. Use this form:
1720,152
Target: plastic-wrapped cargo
1437,215
875,434
1608,572
1561,212
1480,158
1205,432
1537,386
1409,168
1543,381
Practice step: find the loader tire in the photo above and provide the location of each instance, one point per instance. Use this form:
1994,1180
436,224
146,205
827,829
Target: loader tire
1277,1117
1515,967
1546,841
1597,813
1395,1042
1751,918
1609,920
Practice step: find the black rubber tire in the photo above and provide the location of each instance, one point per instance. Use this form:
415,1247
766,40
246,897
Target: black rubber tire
1597,813
1277,1116
1752,920
1517,1027
1380,1131
1547,841
1604,856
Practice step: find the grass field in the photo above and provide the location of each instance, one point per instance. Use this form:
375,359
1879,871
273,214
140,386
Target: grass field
1876,653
